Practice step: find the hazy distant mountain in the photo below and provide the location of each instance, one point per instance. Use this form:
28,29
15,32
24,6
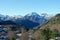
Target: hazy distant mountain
28,21
31,20
35,17
8,22
1,17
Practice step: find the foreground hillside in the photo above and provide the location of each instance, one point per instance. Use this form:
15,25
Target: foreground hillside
52,24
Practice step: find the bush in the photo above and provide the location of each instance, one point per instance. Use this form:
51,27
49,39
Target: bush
47,33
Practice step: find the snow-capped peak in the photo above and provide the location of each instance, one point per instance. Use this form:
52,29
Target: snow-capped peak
31,14
34,17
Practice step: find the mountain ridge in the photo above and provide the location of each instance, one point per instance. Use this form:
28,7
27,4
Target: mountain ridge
28,21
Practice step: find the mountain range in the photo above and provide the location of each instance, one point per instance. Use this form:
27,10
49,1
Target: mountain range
28,21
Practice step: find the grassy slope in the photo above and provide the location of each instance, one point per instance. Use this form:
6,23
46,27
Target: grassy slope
53,23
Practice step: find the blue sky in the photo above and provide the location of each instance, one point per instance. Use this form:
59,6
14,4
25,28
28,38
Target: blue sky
23,7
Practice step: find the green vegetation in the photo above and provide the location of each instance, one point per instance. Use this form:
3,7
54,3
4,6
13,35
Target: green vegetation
13,39
47,33
55,20
58,20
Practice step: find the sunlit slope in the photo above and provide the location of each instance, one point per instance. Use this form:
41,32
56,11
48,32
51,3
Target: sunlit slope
53,23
